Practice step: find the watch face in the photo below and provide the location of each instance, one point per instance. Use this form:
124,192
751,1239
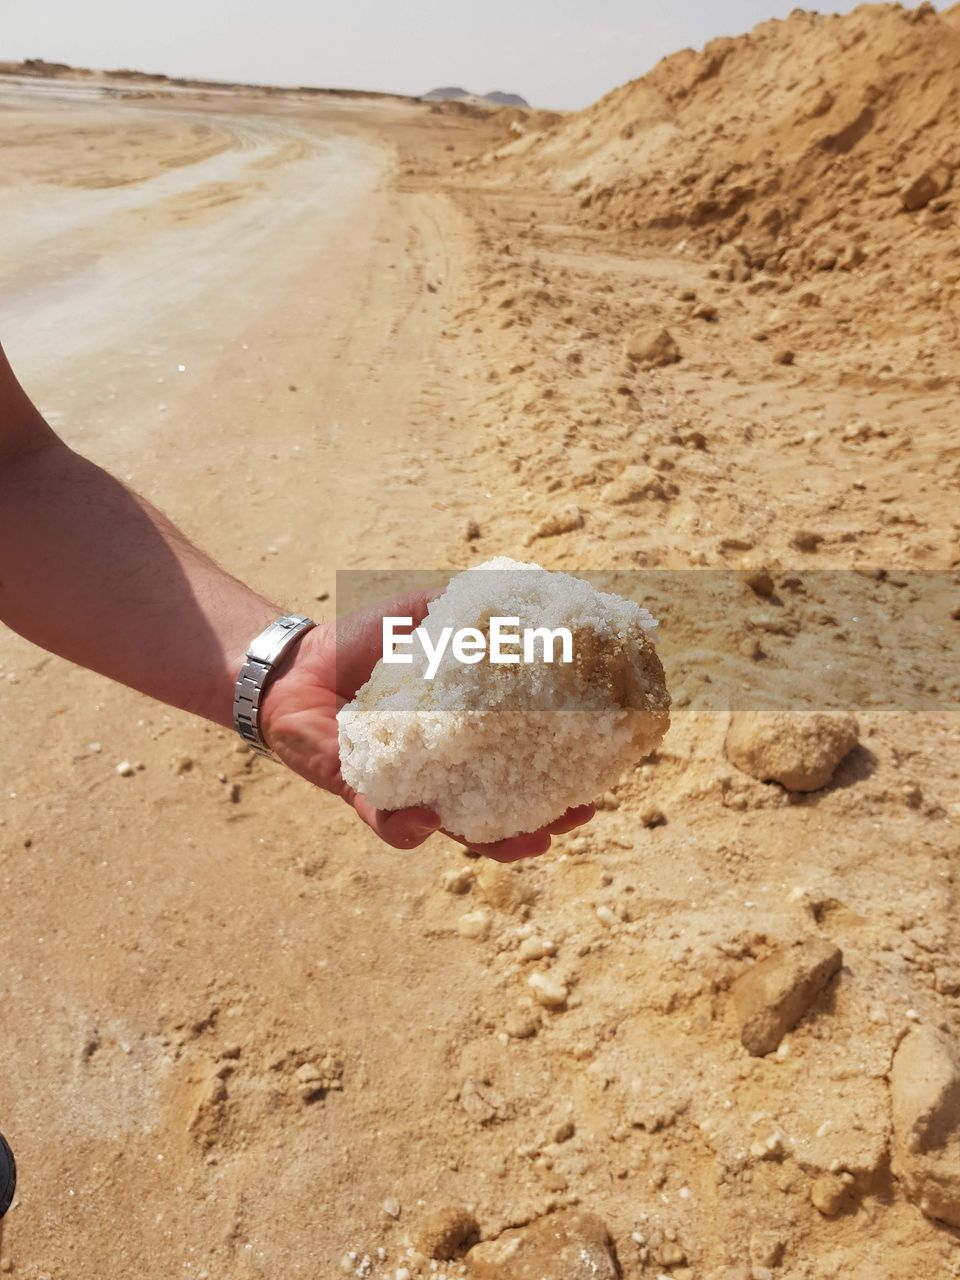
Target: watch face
8,1176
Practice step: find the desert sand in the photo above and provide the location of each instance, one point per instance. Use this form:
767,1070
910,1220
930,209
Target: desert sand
713,1035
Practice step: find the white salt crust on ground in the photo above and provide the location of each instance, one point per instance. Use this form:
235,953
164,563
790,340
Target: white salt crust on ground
497,750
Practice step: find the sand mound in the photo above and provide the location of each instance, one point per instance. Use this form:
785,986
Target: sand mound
812,143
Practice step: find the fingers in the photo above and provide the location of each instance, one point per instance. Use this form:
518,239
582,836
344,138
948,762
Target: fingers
512,850
402,828
574,817
533,844
409,828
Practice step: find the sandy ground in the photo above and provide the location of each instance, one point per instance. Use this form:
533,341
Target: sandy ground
317,345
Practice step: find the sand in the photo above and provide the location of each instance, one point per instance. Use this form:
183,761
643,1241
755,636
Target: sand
242,1038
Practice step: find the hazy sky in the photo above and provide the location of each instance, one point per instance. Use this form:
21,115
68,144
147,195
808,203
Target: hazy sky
557,53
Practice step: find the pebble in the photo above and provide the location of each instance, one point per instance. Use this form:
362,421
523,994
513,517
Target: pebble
652,816
549,992
459,882
445,1233
125,769
773,995
651,348
607,916
829,1195
391,1207
760,582
798,750
536,948
521,1024
563,520
475,924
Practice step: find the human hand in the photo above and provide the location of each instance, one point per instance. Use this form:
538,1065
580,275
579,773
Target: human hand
298,720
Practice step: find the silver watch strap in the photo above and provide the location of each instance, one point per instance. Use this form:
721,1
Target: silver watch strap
262,656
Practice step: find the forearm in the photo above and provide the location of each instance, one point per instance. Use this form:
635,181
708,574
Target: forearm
92,572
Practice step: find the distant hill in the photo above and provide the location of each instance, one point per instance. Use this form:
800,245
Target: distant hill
500,99
497,98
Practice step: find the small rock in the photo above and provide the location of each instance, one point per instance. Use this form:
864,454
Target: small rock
785,357
445,1234
316,1079
475,924
671,1254
536,948
521,1024
548,991
652,816
925,1093
918,193
772,996
125,769
636,484
483,1103
704,311
799,750
391,1207
806,540
181,763
830,1195
472,531
651,348
561,1246
760,582
459,881
563,1132
563,521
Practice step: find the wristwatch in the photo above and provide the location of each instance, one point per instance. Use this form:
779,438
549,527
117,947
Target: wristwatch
8,1176
262,656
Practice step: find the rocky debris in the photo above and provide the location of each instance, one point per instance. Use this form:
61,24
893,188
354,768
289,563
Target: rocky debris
483,1103
521,1024
475,924
459,881
786,356
807,540
651,348
799,750
772,996
125,769
508,887
925,1092
704,311
563,1246
636,484
548,990
918,193
565,520
315,1079
472,531
445,1234
830,1194
760,582
536,948
652,816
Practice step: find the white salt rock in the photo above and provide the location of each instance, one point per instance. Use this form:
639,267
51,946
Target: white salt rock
495,749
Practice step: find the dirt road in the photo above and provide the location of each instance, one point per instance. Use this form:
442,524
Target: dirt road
249,339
